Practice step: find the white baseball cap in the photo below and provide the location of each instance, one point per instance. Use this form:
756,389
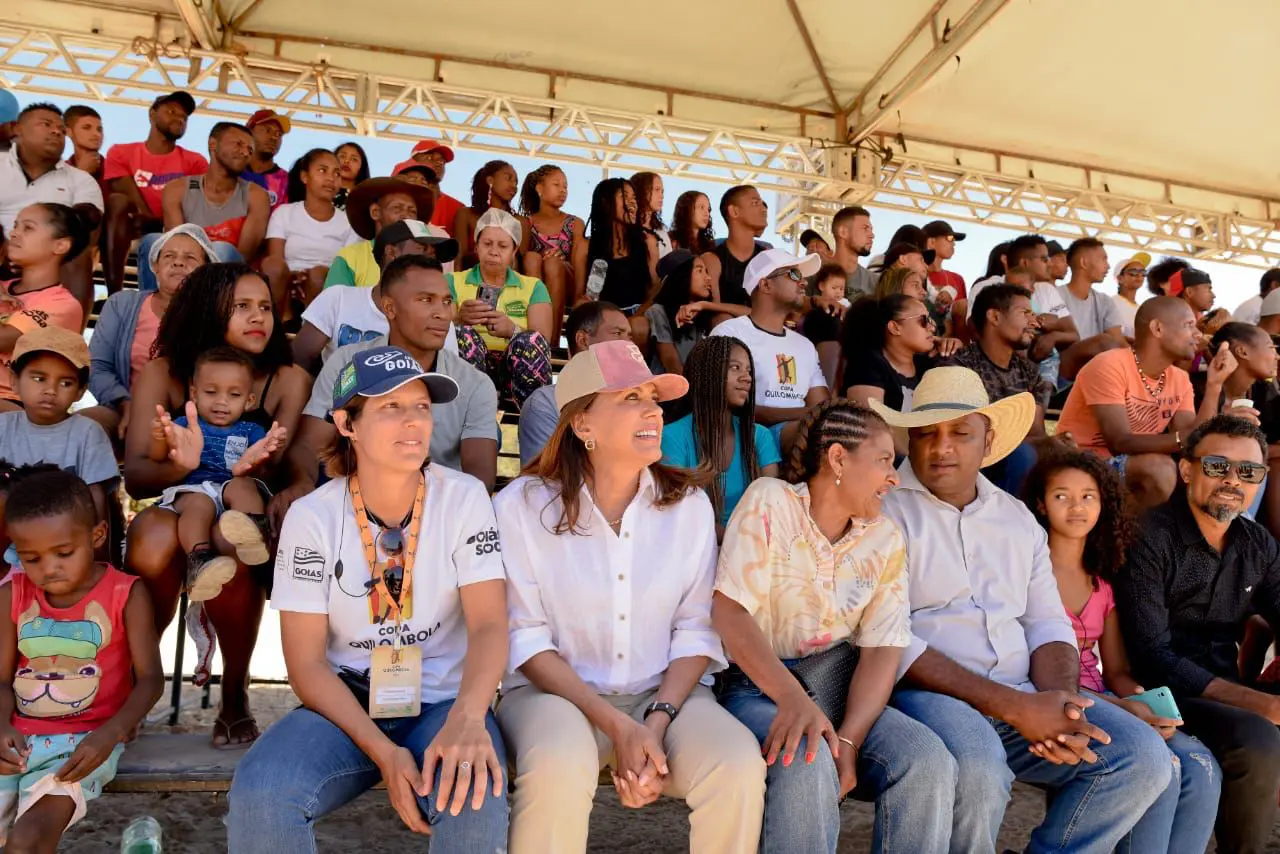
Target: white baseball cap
771,260
1271,304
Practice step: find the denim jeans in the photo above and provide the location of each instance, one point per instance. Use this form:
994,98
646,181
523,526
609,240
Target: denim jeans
305,767
903,766
222,252
1247,747
1181,819
1094,805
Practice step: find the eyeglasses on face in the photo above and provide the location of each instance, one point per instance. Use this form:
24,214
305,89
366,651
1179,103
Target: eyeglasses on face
792,273
1134,271
1218,468
925,321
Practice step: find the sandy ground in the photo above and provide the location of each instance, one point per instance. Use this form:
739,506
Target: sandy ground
193,822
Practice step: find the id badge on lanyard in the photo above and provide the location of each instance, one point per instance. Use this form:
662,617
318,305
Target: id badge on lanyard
395,672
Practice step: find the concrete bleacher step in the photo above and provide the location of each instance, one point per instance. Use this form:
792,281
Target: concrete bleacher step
175,763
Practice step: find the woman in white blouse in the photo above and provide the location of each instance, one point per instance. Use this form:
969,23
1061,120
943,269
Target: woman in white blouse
610,561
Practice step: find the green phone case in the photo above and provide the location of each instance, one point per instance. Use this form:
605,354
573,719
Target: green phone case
1160,701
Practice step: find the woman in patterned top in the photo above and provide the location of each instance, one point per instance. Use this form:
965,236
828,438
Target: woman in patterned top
557,251
808,565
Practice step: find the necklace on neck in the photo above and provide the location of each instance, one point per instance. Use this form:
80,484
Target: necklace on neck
404,523
1147,383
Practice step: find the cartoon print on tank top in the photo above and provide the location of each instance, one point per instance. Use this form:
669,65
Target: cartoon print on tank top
61,675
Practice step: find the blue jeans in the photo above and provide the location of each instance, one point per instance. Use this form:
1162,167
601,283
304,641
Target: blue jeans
304,767
222,251
1094,805
1181,820
902,765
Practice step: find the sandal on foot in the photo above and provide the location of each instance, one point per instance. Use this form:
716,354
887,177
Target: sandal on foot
250,535
226,730
207,573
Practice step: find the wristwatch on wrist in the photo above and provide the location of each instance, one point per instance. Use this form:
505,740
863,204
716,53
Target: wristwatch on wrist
666,708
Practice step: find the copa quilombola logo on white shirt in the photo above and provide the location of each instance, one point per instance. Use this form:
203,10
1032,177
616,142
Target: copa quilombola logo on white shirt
393,362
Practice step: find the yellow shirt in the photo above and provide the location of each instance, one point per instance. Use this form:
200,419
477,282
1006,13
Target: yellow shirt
354,265
517,295
806,593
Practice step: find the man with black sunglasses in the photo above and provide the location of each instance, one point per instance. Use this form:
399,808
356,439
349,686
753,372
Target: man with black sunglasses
1197,572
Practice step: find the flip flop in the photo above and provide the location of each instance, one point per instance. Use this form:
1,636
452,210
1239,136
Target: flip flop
228,729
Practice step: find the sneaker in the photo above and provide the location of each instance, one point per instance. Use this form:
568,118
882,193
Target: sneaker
207,573
250,535
201,632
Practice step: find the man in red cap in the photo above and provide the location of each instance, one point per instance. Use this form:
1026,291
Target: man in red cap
268,129
434,154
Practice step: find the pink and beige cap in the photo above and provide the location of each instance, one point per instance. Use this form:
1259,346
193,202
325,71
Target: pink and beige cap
613,366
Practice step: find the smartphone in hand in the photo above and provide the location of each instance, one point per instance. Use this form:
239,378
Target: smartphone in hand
1160,701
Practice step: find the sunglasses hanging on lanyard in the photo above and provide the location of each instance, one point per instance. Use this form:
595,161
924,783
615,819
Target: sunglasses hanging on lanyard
395,673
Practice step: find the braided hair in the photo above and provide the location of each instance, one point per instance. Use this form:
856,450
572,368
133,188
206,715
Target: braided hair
683,232
480,189
530,202
604,200
707,370
838,421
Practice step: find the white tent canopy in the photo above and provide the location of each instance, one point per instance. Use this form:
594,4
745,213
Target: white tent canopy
1141,122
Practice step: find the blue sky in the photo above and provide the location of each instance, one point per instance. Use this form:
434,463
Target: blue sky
1232,284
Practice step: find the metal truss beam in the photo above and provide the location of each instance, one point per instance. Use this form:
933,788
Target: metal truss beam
1025,204
814,177
891,91
200,19
322,97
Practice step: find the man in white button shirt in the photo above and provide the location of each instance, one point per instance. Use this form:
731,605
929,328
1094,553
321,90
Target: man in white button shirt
992,667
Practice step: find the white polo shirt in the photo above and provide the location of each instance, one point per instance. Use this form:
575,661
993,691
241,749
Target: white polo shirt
458,545
63,184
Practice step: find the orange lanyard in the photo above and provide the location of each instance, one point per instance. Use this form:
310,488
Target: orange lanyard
382,605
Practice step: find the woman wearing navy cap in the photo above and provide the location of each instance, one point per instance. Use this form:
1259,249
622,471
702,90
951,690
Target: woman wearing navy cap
393,615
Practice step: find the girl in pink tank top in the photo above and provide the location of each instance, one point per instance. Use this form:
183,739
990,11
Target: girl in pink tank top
1082,504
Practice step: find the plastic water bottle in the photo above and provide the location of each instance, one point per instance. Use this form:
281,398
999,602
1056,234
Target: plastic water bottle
595,281
142,836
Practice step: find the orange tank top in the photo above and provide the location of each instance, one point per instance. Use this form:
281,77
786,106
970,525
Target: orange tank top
74,670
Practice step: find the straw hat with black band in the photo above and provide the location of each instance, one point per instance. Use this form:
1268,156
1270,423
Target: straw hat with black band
946,394
371,191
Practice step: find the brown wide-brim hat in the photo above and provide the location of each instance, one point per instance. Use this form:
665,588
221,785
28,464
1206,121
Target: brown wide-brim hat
945,394
369,192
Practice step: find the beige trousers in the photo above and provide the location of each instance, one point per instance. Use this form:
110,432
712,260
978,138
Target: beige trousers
714,761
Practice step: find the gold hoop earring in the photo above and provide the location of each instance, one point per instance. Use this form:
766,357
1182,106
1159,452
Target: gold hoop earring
589,444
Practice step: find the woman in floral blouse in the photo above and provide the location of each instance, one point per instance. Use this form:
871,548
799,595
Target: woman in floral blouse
811,568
